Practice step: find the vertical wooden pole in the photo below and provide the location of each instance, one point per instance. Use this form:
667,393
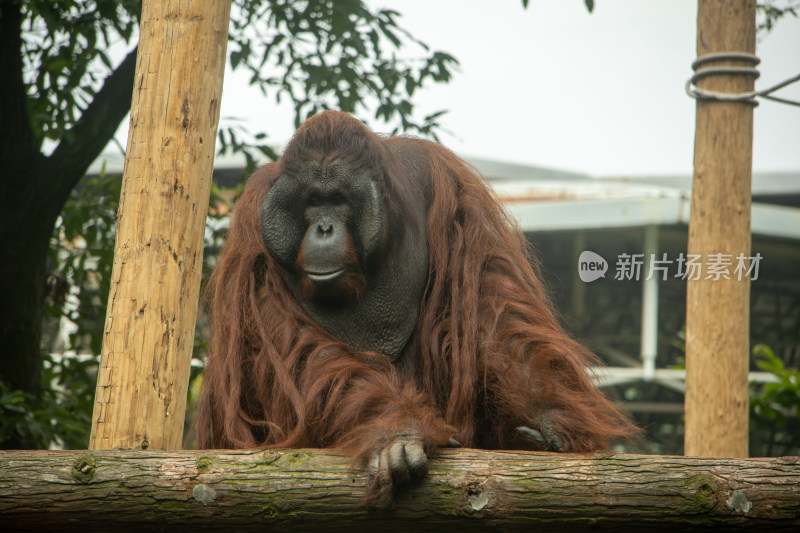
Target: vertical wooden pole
147,346
717,314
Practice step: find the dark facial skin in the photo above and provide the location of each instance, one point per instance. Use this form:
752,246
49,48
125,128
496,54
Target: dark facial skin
326,225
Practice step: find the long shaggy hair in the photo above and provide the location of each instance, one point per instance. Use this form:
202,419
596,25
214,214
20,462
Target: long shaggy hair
487,354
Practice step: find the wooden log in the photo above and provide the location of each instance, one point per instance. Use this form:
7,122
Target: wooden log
718,310
149,333
465,490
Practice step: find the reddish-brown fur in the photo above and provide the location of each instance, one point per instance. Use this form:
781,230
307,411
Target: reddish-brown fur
487,355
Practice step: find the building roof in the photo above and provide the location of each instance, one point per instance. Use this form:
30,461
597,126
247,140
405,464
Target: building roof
545,199
550,200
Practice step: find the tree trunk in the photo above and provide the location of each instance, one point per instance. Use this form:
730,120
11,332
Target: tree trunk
718,310
465,490
19,364
23,228
33,190
23,254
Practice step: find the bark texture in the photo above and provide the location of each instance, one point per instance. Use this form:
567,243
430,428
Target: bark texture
718,310
152,308
465,490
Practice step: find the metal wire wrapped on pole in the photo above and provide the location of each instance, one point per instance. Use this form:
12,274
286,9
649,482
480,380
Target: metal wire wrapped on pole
748,97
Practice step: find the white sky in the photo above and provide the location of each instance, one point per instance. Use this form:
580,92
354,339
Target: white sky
556,86
601,93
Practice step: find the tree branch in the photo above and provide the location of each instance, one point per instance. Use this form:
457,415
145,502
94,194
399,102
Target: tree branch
85,141
465,490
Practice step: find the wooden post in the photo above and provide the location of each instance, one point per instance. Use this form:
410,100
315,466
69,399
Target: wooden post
717,314
149,333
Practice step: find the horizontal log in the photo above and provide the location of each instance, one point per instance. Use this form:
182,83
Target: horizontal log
467,490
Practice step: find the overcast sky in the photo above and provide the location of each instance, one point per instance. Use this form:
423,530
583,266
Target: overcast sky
601,93
556,86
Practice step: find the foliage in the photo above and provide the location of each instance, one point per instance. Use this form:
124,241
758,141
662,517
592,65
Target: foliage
317,54
775,409
771,11
330,55
62,416
333,55
81,256
66,52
